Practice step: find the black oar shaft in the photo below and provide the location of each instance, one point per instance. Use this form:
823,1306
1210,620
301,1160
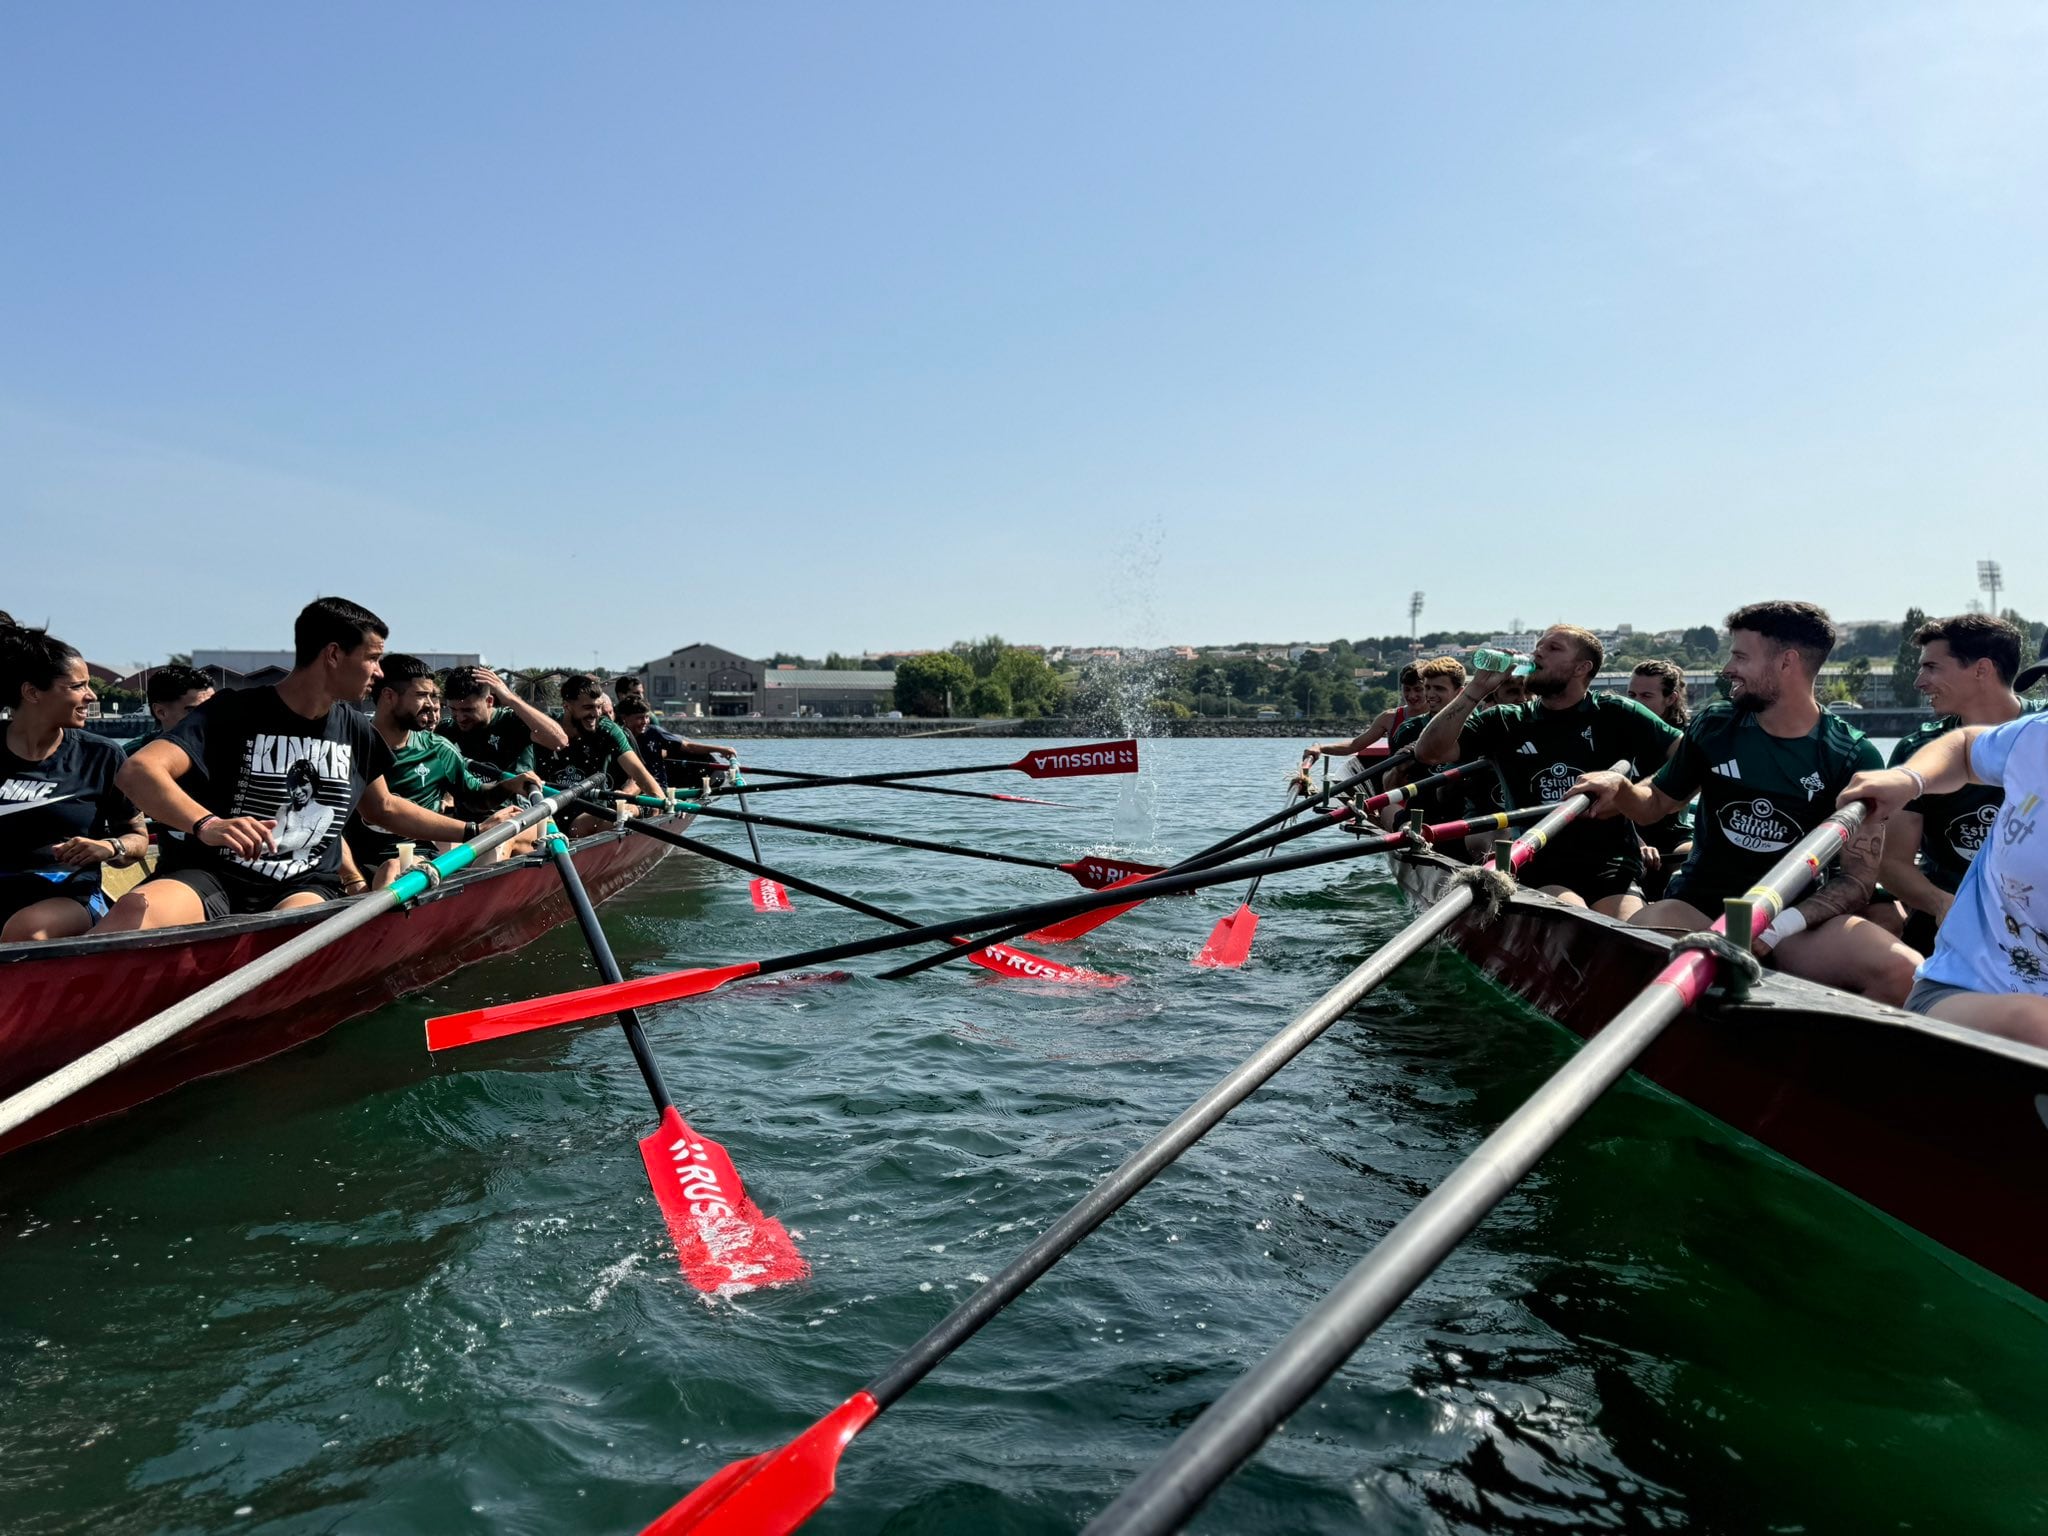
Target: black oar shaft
860,835
607,967
1321,797
1239,1422
754,867
921,789
1144,890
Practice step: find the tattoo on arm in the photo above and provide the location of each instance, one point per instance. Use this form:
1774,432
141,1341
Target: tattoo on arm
1855,880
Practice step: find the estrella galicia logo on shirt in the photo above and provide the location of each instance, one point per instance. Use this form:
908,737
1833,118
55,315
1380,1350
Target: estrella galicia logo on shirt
1553,781
1758,826
1967,832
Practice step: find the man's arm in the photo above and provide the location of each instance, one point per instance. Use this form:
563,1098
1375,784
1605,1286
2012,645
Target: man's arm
1438,742
546,731
637,772
150,781
1847,892
381,808
1614,795
1901,872
1382,723
1940,768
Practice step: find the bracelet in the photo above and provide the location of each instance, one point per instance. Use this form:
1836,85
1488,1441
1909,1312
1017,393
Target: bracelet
193,833
1915,775
469,831
1789,922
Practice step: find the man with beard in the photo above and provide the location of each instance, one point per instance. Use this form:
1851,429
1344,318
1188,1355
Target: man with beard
596,745
1967,665
1540,749
1767,763
424,767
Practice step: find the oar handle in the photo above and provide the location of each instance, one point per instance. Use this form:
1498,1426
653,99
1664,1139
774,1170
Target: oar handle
1239,1422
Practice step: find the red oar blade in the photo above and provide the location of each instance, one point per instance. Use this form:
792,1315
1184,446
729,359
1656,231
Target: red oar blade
1018,963
727,1247
1099,874
770,896
1230,941
1080,762
1068,929
775,1492
493,1023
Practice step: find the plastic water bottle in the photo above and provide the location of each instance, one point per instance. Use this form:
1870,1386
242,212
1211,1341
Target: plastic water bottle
1484,660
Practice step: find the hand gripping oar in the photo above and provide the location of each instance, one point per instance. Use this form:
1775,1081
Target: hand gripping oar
1230,941
999,958
768,895
503,1019
1142,889
1238,1423
1093,870
21,1107
1078,762
724,1243
775,1492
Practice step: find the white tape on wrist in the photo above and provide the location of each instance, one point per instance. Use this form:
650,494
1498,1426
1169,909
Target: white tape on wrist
1789,922
1919,783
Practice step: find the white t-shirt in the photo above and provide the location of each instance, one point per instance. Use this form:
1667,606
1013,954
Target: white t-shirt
1995,937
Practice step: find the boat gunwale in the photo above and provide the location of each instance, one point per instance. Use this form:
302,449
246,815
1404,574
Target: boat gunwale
1776,992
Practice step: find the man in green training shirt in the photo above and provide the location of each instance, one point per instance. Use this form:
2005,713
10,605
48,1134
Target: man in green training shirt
1767,763
1967,665
1540,749
597,744
494,729
424,767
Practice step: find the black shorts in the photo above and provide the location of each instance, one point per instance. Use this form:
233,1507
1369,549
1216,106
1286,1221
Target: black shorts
23,889
223,895
1588,882
372,846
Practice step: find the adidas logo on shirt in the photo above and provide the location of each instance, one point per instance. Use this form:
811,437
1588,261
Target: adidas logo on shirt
1730,769
1527,746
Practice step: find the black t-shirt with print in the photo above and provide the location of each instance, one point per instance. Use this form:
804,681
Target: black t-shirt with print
258,757
83,765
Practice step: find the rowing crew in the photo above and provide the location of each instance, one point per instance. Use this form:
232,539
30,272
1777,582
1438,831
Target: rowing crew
1717,797
265,799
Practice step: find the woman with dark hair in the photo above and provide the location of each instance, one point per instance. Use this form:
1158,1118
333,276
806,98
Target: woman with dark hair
61,819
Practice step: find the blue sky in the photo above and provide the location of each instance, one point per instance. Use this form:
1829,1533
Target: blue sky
552,330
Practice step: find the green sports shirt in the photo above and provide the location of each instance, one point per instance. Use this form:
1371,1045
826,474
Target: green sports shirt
1759,794
424,766
596,750
1952,827
1540,752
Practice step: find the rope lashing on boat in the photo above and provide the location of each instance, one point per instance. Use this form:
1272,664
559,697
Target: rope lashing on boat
1740,971
1491,889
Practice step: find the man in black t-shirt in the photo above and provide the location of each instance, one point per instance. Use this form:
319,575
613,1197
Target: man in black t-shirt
1540,748
281,769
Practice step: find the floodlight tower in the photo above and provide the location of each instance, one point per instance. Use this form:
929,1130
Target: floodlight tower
1414,616
1990,577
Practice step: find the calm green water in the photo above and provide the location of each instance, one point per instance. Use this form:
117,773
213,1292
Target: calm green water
353,1290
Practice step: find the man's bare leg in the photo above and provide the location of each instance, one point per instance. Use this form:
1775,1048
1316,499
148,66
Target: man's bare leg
2009,1014
155,904
1679,915
1854,954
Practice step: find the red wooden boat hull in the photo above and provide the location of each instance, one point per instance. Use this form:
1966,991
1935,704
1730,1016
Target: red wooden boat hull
61,999
1943,1129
